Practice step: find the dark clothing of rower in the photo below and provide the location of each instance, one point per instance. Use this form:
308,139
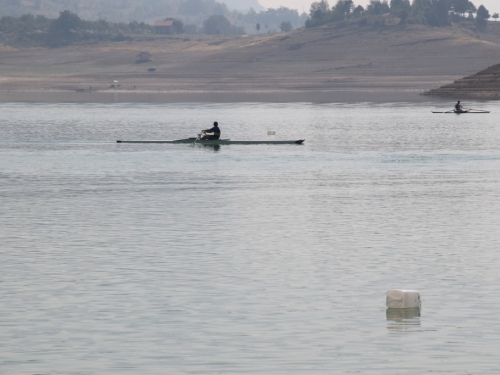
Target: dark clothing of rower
215,130
458,107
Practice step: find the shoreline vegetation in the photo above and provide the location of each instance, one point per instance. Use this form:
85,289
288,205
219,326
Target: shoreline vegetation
374,55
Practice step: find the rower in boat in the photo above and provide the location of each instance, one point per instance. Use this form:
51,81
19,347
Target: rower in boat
459,108
215,130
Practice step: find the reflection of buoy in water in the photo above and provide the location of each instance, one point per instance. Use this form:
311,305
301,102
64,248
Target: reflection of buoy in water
403,299
399,315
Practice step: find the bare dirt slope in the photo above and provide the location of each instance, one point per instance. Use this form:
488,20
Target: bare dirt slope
484,85
317,63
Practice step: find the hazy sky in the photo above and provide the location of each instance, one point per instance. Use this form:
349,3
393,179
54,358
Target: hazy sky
304,5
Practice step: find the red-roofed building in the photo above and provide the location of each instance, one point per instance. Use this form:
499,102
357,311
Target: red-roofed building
164,27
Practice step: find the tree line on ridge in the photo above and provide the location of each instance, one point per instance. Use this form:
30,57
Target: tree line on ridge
69,28
435,13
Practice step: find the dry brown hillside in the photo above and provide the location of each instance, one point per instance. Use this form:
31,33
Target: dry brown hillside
483,85
324,64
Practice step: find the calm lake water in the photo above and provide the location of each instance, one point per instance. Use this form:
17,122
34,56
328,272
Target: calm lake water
182,259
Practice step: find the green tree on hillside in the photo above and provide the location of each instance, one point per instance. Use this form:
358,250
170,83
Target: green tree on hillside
401,9
218,24
274,17
482,16
342,10
460,6
318,14
286,27
358,11
377,7
178,25
396,6
439,13
482,13
432,12
471,10
66,23
63,31
24,24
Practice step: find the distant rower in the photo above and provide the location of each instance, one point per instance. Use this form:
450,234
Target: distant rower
458,107
215,130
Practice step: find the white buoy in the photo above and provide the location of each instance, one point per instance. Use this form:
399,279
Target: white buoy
271,132
403,299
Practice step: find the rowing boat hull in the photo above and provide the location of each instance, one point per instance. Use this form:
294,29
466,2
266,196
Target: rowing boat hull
462,113
187,140
218,142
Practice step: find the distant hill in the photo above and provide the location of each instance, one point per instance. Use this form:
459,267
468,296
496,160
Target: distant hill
313,64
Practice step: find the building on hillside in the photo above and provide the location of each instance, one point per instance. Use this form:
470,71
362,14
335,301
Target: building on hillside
143,57
165,27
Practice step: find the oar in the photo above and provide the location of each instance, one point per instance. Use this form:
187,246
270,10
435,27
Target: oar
197,138
478,110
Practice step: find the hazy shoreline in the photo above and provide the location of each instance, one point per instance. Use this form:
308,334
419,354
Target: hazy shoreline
340,96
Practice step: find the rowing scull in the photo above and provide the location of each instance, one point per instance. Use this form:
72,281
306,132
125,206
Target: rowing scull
217,142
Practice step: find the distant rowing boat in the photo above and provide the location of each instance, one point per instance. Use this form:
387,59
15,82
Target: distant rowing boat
464,112
217,142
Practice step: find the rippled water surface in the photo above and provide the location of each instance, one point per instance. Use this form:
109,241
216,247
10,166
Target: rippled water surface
181,259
